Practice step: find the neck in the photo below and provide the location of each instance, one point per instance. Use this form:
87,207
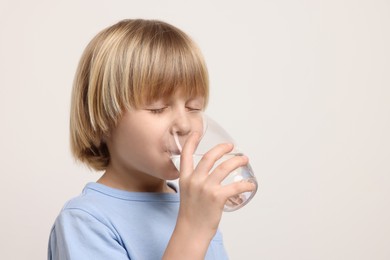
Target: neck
133,181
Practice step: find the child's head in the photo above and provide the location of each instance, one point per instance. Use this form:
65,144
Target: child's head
125,66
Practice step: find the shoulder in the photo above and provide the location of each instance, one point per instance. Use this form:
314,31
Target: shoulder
81,227
78,233
82,213
88,208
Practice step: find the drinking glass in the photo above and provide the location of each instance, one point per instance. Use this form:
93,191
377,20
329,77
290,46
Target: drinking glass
214,134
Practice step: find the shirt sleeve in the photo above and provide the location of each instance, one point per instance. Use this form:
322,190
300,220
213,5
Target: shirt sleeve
78,235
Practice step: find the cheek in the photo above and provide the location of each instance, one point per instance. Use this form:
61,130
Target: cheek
140,141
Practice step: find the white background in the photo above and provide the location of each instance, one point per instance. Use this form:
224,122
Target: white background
303,86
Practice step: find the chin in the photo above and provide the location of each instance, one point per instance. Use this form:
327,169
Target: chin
174,175
170,173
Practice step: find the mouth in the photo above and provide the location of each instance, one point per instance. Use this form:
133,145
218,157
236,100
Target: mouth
174,152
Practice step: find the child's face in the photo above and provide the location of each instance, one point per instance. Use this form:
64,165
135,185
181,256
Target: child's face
138,144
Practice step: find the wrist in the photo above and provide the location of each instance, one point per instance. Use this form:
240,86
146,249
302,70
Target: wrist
188,241
200,233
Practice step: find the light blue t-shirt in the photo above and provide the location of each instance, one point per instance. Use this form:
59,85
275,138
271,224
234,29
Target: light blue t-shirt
106,223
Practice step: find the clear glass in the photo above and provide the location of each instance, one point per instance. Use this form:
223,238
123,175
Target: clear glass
214,134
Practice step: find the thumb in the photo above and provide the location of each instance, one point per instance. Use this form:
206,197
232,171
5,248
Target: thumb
186,160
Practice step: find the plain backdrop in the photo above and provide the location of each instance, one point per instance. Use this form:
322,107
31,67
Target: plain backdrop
303,86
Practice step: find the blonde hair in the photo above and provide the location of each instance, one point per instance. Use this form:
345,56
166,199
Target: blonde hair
124,66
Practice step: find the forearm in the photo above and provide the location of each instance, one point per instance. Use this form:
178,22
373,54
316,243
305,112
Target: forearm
188,242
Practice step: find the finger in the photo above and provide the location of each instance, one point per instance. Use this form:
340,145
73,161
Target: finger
210,158
226,167
186,158
237,188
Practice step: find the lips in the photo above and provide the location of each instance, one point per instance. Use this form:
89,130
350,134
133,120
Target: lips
173,144
174,151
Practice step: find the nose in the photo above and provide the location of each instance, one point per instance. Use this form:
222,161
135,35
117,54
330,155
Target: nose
181,125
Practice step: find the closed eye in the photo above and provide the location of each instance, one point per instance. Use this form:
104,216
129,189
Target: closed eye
193,109
195,104
157,110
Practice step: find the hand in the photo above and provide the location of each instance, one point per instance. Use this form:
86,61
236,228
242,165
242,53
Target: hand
202,198
201,193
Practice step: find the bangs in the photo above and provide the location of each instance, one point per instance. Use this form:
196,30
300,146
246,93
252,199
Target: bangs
165,61
134,63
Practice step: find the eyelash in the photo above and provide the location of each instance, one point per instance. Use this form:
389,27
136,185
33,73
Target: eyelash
157,110
193,109
161,110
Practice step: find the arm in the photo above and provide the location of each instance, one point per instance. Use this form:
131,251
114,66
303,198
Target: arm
78,235
202,198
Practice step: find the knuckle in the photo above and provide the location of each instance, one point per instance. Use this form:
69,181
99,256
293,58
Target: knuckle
236,188
215,196
207,157
224,167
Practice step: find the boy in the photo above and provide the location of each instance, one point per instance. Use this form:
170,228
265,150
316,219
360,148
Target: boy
137,81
